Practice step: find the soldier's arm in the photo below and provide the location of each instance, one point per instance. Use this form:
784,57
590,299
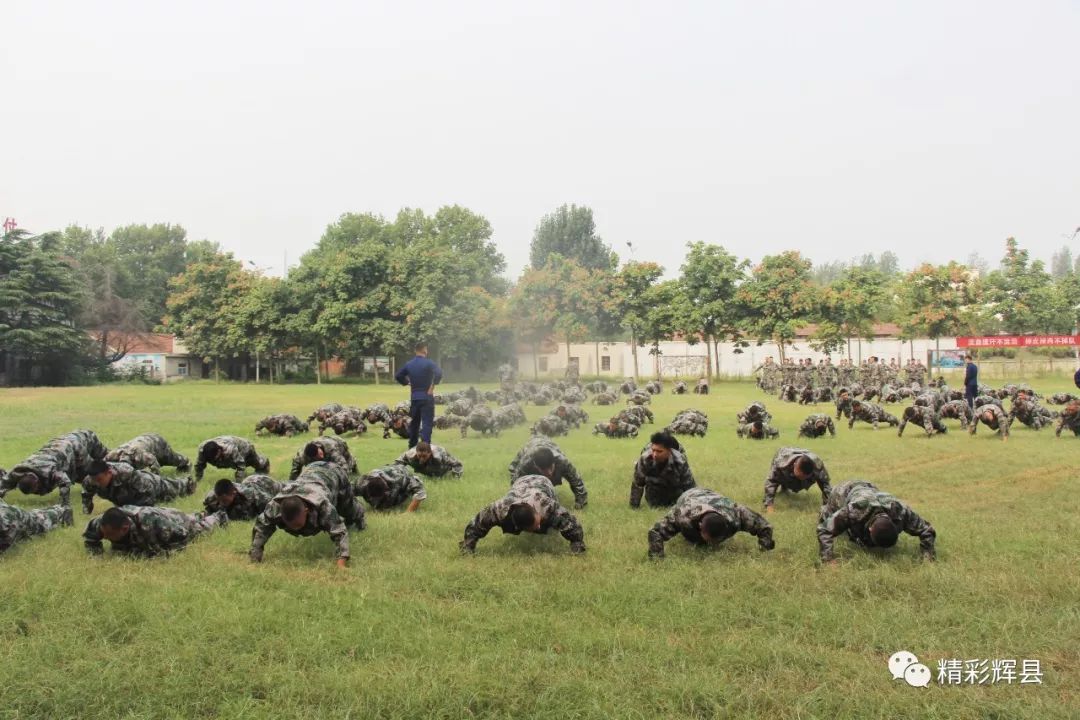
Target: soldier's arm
665,529
264,528
903,424
756,525
828,528
297,466
831,427
577,485
403,459
772,486
200,468
480,525
331,522
569,527
415,486
915,525
92,537
456,468
772,432
88,490
823,483
63,484
637,485
210,502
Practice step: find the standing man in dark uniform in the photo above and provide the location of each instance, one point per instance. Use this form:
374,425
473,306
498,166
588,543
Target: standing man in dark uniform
422,375
971,382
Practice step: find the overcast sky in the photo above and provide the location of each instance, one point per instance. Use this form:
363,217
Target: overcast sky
933,129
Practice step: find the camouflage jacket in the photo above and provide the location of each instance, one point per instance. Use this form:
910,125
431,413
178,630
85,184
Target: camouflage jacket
817,425
854,504
782,474
377,413
131,486
334,449
154,531
147,452
1000,420
60,463
536,491
439,464
401,482
871,413
927,417
660,484
750,430
252,495
325,488
753,411
686,517
17,524
958,410
283,424
523,465
237,453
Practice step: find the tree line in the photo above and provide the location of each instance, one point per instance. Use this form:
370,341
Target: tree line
73,301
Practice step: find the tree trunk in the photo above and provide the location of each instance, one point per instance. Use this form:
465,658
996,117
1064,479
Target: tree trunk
849,347
633,350
245,359
318,368
597,359
536,361
716,350
271,368
708,357
375,367
256,367
860,351
780,347
217,370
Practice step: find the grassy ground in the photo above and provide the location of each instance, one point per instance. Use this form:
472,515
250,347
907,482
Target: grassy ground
524,629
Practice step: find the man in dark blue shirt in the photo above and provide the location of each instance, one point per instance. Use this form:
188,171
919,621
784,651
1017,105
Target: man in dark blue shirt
422,375
971,382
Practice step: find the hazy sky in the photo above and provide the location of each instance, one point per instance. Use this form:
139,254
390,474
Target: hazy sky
933,129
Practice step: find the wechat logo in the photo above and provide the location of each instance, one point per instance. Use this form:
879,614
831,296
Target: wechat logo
904,665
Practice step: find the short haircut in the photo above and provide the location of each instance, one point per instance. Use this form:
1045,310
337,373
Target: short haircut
523,516
210,449
909,412
291,507
115,518
96,467
376,486
968,356
805,465
665,439
423,446
28,483
224,486
883,531
311,450
543,458
715,525
421,345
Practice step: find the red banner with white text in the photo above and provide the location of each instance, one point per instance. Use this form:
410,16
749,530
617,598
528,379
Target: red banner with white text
1015,341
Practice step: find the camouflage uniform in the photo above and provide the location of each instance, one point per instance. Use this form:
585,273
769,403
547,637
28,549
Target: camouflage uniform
252,495
986,400
17,524
1000,420
1028,411
284,425
661,484
482,420
689,422
573,374
506,377
325,411
135,487
154,531
237,453
572,414
616,429
325,489
816,425
550,425
639,397
604,398
871,413
537,492
754,411
401,484
334,449
757,431
635,415
148,452
702,387
60,463
688,512
1069,419
957,410
678,389
524,464
782,474
843,404
348,420
376,413
654,387
439,464
852,506
925,416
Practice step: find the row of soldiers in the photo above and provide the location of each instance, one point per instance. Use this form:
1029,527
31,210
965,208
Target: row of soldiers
871,373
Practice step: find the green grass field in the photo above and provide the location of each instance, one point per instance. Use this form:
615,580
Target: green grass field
524,629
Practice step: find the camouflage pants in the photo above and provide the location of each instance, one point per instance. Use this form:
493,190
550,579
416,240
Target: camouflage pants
17,524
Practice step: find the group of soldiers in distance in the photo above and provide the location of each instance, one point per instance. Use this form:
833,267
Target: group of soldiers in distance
325,491
853,391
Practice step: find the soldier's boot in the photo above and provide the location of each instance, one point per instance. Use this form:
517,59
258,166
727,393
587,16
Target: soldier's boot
67,517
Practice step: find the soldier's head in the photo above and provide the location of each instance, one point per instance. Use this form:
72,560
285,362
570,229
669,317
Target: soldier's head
757,429
313,451
100,472
304,427
856,404
225,492
421,348
883,531
987,414
28,483
544,460
115,524
660,445
375,487
423,451
909,412
525,518
714,527
803,467
294,513
211,450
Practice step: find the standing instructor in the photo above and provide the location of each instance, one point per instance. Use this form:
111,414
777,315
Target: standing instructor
971,381
422,375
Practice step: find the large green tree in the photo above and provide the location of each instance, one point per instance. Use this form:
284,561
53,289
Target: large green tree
1022,296
571,233
848,308
710,278
778,299
938,301
632,300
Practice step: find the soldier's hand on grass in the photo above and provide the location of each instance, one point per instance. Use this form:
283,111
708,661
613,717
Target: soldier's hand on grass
467,547
88,507
769,509
766,543
342,562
